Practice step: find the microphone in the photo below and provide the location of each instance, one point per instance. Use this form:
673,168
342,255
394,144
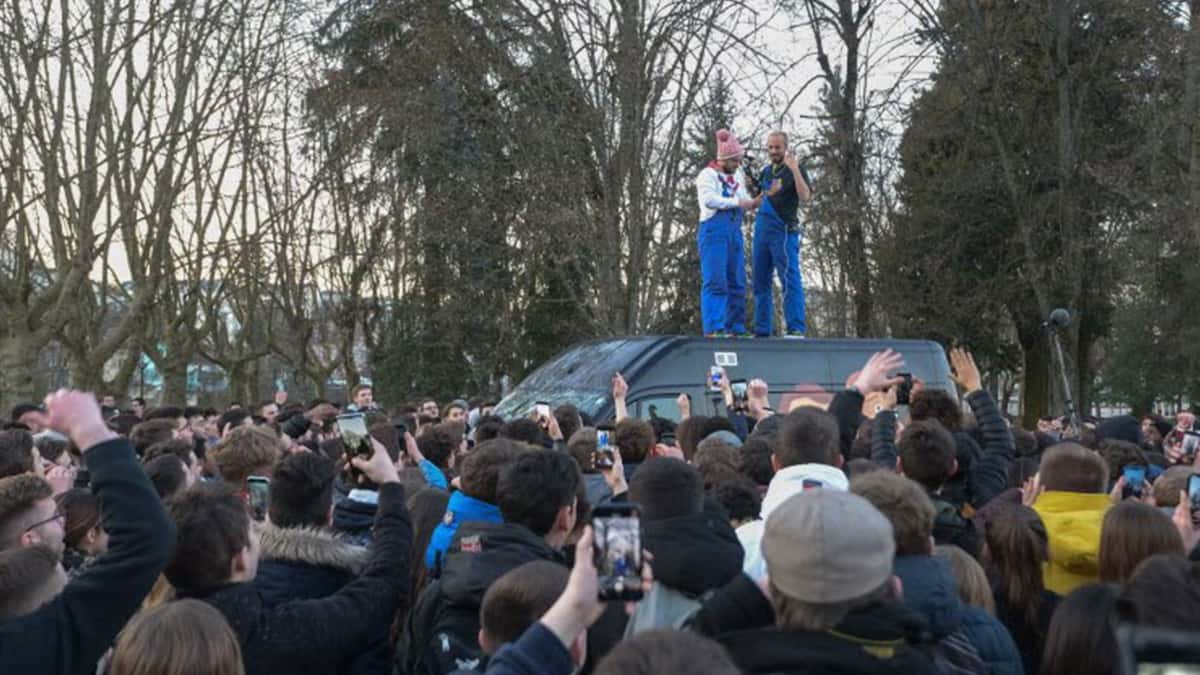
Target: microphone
1059,319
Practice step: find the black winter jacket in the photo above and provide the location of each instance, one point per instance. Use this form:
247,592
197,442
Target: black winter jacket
325,635
70,633
441,633
303,563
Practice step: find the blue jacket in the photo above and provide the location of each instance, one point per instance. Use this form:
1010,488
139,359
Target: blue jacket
536,652
461,509
930,589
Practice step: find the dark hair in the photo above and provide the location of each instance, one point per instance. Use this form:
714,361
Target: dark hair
927,453
168,474
1026,444
1164,592
51,447
679,652
301,491
634,438
123,424
81,514
755,460
480,470
661,426
689,434
739,497
426,509
1070,467
809,436
935,404
860,467
151,432
24,573
176,446
860,447
1081,638
768,428
1119,454
581,446
520,597
164,412
535,486
1017,546
193,411
16,452
667,488
437,444
21,409
489,427
1021,470
569,421
525,430
1133,532
234,418
212,526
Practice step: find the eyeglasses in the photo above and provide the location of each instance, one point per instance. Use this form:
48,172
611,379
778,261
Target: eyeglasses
58,515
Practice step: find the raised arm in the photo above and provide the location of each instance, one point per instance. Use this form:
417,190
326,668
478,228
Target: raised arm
990,476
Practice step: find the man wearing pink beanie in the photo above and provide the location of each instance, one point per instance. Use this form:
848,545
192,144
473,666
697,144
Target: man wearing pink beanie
721,190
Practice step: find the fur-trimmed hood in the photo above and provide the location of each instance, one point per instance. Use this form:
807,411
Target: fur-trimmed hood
312,546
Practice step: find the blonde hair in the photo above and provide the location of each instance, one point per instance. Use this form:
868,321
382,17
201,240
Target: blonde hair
186,637
973,586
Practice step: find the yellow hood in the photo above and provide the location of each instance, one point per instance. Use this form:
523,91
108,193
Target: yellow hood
1073,522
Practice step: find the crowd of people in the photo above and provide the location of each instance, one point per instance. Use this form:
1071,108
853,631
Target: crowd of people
877,535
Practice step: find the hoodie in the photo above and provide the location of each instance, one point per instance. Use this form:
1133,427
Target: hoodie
461,509
931,590
693,555
303,563
787,483
1073,523
355,515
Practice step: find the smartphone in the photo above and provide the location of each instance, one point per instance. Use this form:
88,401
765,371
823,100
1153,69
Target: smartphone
603,457
1193,491
1191,442
904,389
618,551
714,378
668,440
541,409
352,427
739,388
1135,481
258,487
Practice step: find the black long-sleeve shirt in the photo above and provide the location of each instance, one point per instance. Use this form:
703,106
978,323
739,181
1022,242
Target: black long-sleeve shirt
70,634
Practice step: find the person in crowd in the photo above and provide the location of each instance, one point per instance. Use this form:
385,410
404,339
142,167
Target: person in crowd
776,247
217,559
717,461
695,551
187,636
16,453
231,419
537,494
741,500
1164,593
1132,532
301,557
354,515
635,440
582,447
54,449
429,408
723,197
28,416
1167,488
84,539
66,626
569,420
108,407
1070,494
928,453
974,589
517,600
427,509
362,398
754,461
151,432
137,406
169,475
1081,638
929,584
182,449
437,445
476,499
806,457
269,411
245,452
525,430
664,651
456,412
1015,553
829,589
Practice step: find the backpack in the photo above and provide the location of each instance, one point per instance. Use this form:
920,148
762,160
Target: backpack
950,527
954,655
440,638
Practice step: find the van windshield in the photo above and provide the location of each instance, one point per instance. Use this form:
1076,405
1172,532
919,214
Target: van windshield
520,403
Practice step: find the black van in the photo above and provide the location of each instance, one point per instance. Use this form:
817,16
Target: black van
659,368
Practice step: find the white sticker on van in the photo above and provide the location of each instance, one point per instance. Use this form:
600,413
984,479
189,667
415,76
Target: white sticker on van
726,359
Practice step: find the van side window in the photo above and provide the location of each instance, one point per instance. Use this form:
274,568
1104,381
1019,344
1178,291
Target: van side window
656,406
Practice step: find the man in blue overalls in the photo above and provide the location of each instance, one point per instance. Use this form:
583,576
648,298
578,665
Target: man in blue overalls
721,190
776,248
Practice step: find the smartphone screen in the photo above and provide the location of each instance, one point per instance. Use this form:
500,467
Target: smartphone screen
904,389
1135,481
603,457
258,488
714,377
618,551
541,409
352,428
1194,494
739,389
1191,440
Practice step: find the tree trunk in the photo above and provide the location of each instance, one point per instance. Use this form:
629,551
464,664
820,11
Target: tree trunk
174,372
1037,367
18,354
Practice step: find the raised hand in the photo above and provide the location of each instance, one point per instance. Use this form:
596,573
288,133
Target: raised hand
965,372
77,414
878,373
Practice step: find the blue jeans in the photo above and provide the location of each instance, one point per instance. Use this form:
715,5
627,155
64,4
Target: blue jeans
776,251
723,270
